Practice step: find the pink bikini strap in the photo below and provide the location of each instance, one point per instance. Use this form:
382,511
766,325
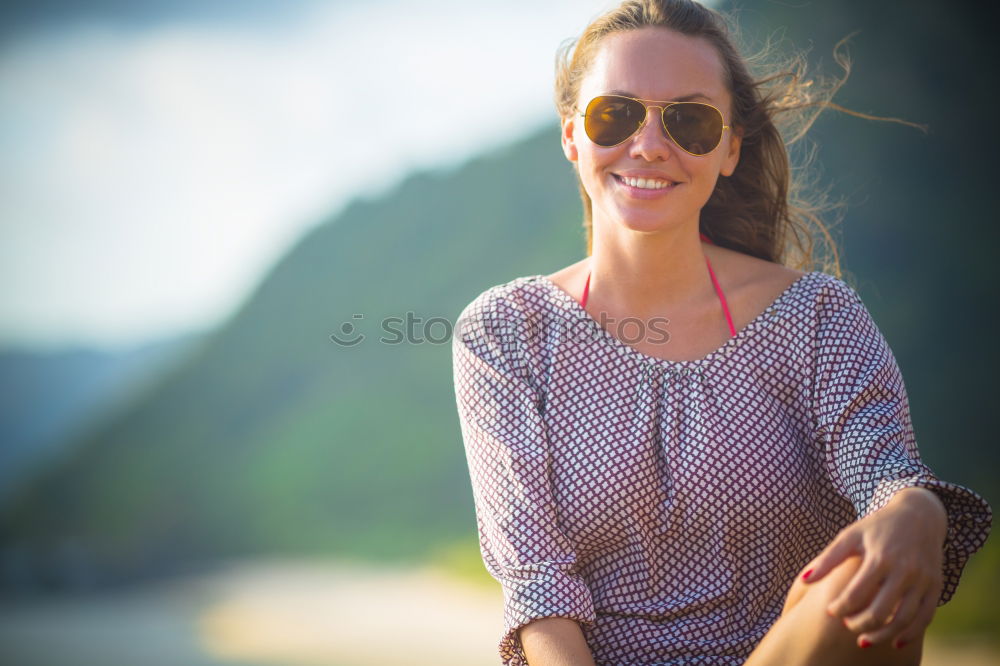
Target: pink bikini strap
722,297
718,289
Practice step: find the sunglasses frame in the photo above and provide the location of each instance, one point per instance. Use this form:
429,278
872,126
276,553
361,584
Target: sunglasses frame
662,105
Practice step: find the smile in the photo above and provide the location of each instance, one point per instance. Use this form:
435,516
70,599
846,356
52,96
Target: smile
644,188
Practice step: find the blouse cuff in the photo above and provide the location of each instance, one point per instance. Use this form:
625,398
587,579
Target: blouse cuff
551,592
969,521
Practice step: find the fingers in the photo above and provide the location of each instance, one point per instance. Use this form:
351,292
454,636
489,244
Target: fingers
861,590
900,611
843,546
914,631
893,609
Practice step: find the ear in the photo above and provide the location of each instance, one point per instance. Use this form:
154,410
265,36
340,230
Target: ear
568,138
732,157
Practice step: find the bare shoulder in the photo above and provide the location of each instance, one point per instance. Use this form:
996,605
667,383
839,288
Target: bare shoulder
751,269
754,283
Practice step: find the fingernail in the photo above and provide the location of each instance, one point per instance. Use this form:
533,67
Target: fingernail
865,642
845,623
900,644
805,576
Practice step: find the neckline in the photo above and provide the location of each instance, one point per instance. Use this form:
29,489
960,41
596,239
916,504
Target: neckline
715,283
572,304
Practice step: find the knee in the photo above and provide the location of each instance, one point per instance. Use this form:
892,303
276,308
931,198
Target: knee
832,637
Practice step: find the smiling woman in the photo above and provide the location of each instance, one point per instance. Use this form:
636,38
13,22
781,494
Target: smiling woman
746,489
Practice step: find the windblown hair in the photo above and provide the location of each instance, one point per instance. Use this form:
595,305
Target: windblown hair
765,208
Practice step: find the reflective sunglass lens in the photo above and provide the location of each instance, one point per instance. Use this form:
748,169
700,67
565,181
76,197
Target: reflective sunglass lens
611,120
697,128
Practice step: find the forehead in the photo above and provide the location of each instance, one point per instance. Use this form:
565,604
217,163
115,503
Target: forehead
655,63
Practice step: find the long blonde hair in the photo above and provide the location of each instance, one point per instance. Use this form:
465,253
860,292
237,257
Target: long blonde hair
764,209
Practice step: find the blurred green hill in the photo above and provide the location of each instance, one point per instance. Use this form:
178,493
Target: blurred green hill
271,438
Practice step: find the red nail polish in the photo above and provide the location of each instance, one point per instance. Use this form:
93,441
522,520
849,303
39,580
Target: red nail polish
805,576
900,644
865,642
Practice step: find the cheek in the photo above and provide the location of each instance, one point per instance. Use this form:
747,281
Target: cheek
591,181
598,160
592,165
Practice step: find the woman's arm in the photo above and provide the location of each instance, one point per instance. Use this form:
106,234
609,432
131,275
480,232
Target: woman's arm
510,458
555,641
865,437
914,530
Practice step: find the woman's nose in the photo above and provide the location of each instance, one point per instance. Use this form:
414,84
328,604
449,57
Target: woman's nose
651,139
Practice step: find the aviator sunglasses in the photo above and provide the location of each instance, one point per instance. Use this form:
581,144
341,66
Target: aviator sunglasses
694,126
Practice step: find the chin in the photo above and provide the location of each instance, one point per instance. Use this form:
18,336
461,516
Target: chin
650,221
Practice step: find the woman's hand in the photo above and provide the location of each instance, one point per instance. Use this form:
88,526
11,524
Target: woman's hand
894,593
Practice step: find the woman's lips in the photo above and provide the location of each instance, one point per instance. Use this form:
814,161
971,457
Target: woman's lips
641,192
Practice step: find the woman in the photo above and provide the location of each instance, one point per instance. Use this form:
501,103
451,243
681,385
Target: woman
666,436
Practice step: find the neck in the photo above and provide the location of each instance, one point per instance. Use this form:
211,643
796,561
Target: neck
646,275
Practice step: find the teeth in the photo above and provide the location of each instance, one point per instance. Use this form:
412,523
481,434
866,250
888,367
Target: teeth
647,184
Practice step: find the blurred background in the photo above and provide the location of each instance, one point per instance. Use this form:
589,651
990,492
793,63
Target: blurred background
196,195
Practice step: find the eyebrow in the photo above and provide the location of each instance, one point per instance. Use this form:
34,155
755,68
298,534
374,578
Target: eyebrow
683,98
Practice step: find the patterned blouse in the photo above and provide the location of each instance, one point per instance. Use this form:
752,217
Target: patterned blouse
667,505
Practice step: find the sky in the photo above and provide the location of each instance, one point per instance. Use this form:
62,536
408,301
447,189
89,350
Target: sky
158,158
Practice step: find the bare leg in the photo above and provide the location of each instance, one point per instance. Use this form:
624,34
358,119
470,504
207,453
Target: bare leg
805,635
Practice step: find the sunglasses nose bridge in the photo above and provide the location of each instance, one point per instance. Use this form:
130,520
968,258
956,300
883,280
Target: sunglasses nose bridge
648,118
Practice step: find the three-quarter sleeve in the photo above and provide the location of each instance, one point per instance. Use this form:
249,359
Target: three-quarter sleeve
862,424
509,461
